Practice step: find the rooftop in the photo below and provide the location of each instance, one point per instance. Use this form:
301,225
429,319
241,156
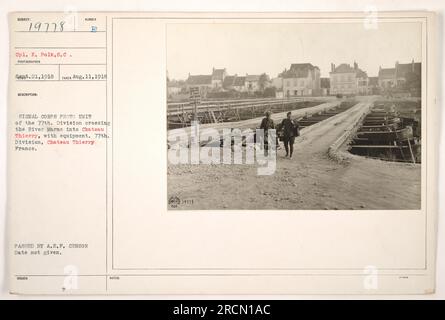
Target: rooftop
218,74
404,68
175,83
347,68
401,69
298,70
387,72
228,81
234,81
199,79
239,81
343,68
252,77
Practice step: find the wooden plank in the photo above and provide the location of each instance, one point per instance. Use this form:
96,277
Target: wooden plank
378,146
255,122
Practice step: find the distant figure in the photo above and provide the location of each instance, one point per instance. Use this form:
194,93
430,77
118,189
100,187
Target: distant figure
291,129
266,124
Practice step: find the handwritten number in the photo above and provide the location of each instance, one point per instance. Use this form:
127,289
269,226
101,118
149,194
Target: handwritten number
38,26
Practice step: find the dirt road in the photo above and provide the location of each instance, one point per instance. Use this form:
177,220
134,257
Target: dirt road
309,181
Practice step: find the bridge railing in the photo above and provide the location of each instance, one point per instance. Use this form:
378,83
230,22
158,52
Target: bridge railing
181,107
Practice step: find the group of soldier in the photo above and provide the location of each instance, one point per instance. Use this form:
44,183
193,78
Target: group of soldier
289,129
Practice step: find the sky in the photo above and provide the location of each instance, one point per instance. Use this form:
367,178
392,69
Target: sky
255,48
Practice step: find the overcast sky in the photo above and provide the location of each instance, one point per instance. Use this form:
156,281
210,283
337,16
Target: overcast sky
271,47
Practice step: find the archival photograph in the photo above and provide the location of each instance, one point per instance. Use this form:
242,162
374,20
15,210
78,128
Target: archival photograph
294,116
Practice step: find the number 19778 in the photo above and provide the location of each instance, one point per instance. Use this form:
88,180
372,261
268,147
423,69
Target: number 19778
46,26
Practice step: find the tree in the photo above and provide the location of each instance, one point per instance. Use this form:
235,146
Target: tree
413,81
269,92
262,81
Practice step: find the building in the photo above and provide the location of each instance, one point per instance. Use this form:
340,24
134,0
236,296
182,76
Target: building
325,85
228,82
397,77
302,79
235,83
348,80
373,84
203,82
239,84
362,81
174,87
277,83
405,70
252,82
387,78
206,82
218,76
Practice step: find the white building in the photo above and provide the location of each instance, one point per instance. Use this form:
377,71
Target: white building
302,79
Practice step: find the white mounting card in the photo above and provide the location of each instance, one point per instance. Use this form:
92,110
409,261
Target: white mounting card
222,153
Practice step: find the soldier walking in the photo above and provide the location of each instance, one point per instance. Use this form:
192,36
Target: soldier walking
266,124
291,129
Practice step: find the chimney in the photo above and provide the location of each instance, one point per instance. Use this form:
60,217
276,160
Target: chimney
332,67
412,65
355,65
